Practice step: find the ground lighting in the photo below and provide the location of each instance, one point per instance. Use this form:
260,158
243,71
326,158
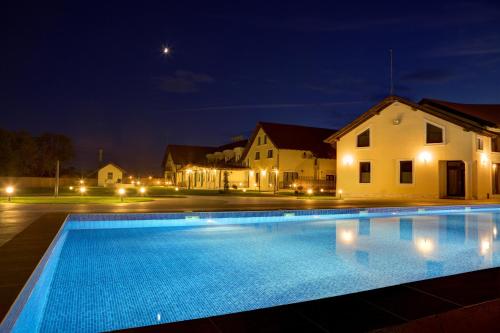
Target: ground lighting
142,190
9,190
121,193
83,189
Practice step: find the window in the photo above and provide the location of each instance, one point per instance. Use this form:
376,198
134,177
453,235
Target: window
364,139
495,144
406,172
110,175
257,155
479,143
270,153
434,134
364,172
265,139
258,141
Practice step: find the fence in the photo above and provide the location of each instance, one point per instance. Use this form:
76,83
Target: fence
309,182
41,182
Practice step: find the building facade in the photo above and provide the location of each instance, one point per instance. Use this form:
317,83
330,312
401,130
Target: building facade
197,167
281,156
110,175
432,149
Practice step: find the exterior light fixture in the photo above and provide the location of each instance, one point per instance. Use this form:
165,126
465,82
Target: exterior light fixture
340,193
150,177
251,173
484,159
71,188
425,156
166,50
176,189
9,190
82,190
309,191
121,193
189,171
263,172
244,190
82,181
348,160
321,190
142,190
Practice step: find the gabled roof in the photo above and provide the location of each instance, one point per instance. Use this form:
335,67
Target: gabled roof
295,137
232,145
183,154
452,115
113,164
486,114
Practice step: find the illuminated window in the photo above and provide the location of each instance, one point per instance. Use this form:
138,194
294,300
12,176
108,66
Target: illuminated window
406,172
364,139
270,153
257,155
110,175
434,134
365,172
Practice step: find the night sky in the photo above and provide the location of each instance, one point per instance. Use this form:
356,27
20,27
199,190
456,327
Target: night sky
96,71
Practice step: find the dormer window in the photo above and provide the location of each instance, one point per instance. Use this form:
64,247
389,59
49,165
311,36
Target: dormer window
434,133
258,141
363,139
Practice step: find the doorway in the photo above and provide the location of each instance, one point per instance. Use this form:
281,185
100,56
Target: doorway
455,179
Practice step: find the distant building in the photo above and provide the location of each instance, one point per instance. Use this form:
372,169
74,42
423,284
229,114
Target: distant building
433,149
205,167
109,175
284,156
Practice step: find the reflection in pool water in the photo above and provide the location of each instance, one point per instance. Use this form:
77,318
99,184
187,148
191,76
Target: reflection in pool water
105,279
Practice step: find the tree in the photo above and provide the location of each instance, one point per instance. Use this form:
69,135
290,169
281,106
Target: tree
226,181
52,147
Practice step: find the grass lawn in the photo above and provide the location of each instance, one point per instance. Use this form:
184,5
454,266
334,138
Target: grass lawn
74,199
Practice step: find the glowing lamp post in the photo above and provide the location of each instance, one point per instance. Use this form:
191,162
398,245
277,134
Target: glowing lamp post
9,190
83,190
340,194
121,193
142,190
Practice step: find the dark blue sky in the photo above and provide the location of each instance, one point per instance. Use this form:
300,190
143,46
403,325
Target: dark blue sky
96,72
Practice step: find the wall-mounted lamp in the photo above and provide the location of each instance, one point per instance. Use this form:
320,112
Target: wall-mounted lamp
425,156
348,160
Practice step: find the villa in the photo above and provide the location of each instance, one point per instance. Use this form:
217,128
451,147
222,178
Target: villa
433,149
282,156
202,167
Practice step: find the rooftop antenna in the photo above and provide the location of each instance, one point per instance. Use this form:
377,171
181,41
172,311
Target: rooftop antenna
392,81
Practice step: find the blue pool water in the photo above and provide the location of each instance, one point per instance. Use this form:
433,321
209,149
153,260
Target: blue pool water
111,272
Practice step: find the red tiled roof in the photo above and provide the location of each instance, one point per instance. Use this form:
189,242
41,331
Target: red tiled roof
296,137
182,154
487,114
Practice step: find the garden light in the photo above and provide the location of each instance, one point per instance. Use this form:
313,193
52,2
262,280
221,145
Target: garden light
176,189
83,189
121,193
310,191
142,190
9,190
71,188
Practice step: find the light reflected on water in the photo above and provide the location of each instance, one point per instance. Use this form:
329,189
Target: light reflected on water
425,245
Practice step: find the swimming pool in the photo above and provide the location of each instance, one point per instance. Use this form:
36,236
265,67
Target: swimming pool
106,272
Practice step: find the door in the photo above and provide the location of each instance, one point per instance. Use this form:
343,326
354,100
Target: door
455,179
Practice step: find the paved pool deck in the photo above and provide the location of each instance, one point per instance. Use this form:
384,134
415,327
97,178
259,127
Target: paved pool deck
26,231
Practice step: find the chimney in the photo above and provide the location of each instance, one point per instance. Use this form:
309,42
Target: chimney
101,151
